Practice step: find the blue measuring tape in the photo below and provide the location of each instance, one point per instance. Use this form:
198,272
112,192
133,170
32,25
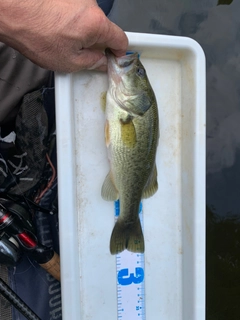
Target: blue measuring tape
130,280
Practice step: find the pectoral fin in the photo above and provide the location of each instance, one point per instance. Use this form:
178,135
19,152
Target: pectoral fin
109,191
107,133
152,184
128,132
103,100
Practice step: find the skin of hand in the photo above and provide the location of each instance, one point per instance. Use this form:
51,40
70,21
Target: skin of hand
61,35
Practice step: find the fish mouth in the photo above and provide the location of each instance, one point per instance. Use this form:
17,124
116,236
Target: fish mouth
127,60
118,66
123,62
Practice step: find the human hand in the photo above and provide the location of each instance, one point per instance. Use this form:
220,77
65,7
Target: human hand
60,35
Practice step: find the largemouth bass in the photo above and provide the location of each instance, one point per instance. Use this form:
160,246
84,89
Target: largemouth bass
131,135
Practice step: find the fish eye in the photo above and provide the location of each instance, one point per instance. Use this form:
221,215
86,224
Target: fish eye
141,72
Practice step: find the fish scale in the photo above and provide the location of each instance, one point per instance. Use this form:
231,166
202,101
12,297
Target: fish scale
130,280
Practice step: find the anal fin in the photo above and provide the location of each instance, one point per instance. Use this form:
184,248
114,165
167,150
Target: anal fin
152,184
109,191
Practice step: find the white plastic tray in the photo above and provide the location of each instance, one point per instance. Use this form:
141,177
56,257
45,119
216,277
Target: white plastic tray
174,218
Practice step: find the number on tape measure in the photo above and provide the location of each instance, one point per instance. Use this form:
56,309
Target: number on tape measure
125,279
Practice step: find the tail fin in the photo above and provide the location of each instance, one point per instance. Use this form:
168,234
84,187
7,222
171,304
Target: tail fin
127,236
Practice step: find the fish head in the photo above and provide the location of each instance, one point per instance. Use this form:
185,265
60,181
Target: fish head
129,84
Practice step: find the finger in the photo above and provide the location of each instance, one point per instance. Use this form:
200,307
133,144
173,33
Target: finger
100,65
116,40
91,59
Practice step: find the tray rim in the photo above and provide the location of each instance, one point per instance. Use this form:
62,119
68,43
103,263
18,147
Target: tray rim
68,241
